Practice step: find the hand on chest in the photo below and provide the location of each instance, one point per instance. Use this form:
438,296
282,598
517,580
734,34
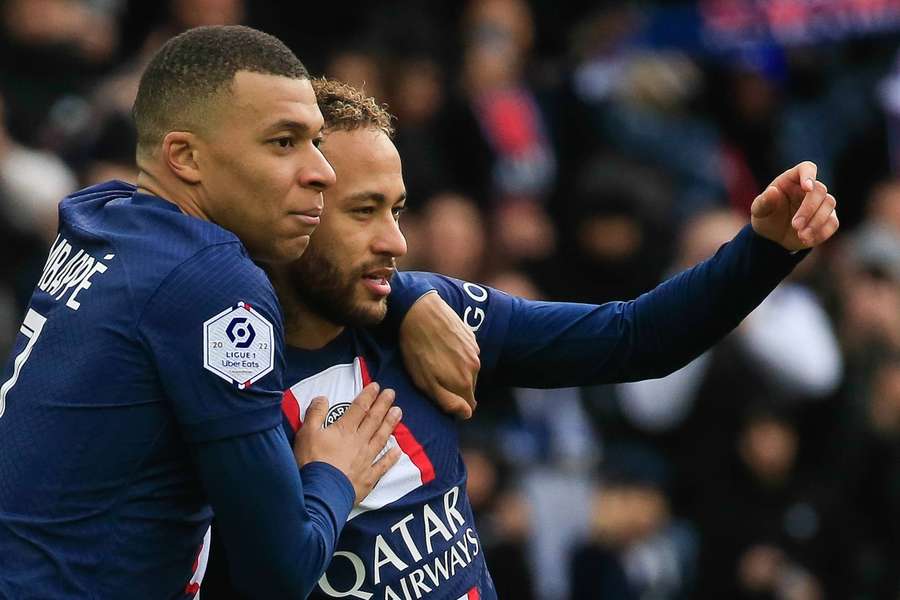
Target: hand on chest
340,384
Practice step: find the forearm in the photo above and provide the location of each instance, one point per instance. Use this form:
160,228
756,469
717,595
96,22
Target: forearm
690,312
279,529
555,344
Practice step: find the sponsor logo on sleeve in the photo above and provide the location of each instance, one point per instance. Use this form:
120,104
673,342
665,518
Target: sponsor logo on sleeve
238,345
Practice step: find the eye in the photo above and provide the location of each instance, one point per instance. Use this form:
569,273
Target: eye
398,210
317,141
364,210
284,142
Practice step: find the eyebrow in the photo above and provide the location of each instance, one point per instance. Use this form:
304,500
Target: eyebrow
301,128
376,196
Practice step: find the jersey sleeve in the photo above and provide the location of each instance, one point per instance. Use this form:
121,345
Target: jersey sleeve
297,515
555,344
214,330
406,289
484,310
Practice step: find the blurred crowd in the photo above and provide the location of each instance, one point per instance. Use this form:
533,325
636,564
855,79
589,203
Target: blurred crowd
584,151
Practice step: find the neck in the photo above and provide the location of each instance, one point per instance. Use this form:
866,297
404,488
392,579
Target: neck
184,197
304,328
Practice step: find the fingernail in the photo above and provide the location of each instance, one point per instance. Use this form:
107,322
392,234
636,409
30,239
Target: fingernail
797,222
395,413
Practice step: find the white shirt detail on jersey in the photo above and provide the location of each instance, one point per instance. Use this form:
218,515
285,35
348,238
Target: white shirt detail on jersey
341,384
202,561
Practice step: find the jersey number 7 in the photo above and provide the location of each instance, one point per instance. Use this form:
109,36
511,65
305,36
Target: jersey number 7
31,329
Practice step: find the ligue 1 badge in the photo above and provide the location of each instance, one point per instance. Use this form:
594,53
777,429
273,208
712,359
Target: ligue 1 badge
238,345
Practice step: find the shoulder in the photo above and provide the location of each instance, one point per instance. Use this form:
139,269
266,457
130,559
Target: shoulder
157,244
216,277
118,214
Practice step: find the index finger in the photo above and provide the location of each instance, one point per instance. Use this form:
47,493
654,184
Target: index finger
360,406
802,177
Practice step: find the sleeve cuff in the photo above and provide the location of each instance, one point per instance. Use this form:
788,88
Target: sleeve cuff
406,290
772,250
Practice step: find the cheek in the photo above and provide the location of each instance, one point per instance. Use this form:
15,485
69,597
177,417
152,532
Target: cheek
243,185
263,176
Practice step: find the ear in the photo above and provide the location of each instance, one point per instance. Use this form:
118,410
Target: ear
179,153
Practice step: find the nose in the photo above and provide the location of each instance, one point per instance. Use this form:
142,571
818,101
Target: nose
318,174
390,241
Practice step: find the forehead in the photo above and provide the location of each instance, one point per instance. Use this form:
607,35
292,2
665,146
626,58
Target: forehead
363,160
263,100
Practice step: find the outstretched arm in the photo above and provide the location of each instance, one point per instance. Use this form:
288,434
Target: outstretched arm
559,344
542,344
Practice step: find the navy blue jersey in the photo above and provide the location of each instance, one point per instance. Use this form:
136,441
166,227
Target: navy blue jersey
414,536
150,340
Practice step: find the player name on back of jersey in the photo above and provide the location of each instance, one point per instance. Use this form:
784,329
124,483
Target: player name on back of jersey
69,271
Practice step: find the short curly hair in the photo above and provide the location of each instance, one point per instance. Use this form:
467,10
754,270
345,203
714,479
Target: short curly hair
192,68
346,108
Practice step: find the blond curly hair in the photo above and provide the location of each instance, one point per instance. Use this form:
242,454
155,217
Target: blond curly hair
346,108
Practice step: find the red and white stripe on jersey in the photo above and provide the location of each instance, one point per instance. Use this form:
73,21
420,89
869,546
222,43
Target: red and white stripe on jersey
471,595
193,586
341,384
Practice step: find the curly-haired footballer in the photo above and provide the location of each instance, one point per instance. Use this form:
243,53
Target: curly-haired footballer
414,535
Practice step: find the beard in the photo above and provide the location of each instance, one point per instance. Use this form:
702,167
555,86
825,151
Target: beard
331,292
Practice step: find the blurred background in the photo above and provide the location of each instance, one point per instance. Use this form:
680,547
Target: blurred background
584,151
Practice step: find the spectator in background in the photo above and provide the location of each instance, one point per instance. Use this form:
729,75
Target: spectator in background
51,50
787,542
885,205
454,238
643,104
868,287
747,94
503,521
32,181
359,68
636,549
417,97
870,480
94,130
614,233
181,15
498,139
889,92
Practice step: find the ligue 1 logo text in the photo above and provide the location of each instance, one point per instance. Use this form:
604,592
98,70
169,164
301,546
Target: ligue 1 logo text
240,332
238,345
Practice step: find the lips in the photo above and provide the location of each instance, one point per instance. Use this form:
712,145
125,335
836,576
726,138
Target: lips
377,281
310,217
